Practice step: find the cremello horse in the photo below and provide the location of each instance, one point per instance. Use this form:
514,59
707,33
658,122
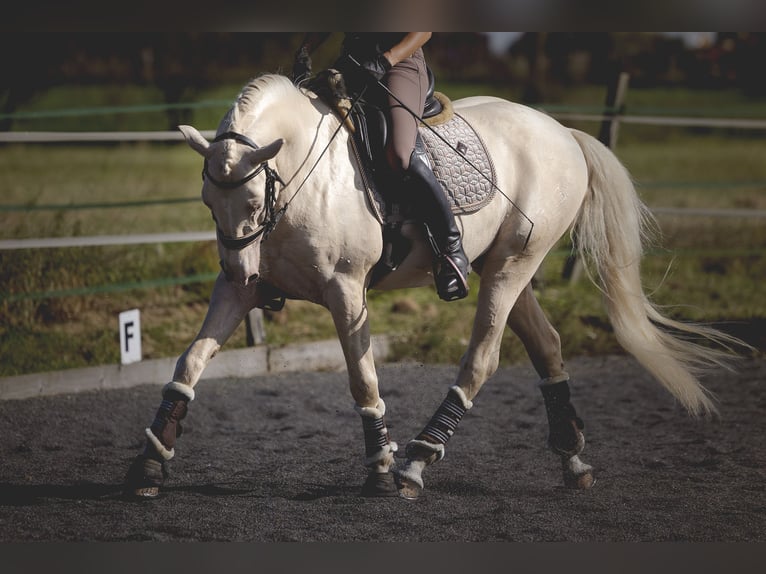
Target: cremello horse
282,167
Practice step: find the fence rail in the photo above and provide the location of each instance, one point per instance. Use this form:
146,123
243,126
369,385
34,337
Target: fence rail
737,123
192,236
79,137
605,117
105,240
74,137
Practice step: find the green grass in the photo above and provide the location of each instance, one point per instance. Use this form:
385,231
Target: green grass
705,269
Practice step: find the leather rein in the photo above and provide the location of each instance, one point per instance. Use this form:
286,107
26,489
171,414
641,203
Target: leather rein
272,215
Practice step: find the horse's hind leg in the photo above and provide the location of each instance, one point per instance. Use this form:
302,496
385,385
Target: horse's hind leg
228,306
503,278
543,345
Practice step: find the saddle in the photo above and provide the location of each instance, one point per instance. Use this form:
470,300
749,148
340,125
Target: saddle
458,158
370,123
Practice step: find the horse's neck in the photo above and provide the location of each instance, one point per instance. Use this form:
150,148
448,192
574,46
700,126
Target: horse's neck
314,159
316,146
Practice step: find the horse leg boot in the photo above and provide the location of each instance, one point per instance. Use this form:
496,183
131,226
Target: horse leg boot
428,446
148,471
565,436
451,263
379,452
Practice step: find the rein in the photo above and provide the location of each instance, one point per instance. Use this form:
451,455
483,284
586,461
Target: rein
272,216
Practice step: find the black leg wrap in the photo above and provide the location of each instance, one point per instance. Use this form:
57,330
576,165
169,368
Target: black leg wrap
443,423
564,425
378,449
166,426
377,444
375,435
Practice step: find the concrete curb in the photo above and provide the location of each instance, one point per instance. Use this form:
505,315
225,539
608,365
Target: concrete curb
237,363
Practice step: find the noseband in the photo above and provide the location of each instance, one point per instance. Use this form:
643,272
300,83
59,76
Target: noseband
272,216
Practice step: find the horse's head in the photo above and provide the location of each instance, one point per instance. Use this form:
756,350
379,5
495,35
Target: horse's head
239,190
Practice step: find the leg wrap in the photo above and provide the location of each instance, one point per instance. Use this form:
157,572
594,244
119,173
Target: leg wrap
442,425
377,444
564,425
428,446
167,427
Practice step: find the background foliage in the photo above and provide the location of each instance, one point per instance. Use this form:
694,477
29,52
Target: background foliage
704,269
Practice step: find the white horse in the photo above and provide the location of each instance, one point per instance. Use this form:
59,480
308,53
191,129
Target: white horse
288,198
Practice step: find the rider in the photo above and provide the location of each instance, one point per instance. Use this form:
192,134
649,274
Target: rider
396,61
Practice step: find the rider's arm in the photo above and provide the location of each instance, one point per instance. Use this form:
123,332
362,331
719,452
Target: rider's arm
405,48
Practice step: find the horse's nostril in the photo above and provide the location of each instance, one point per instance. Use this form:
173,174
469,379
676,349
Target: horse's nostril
252,279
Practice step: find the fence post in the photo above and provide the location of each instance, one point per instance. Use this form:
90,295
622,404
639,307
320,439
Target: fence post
615,104
255,330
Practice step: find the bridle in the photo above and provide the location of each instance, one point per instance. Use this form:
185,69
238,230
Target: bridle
272,215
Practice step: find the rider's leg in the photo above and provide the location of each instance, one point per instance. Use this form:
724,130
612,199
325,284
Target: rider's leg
408,81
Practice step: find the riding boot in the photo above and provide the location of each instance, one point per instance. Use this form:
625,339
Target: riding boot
451,263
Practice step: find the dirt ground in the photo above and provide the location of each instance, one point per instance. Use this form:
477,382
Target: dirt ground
279,458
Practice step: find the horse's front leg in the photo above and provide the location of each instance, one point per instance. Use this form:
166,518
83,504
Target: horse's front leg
543,345
228,305
348,306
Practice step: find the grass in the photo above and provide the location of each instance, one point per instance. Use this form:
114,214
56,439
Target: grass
706,269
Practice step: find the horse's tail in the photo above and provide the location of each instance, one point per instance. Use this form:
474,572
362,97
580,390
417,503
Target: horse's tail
612,228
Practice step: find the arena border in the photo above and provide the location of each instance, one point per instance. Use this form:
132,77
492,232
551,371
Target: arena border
236,363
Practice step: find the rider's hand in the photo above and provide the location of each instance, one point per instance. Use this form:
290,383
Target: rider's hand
377,67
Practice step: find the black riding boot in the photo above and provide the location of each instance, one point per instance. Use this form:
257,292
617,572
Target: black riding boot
451,263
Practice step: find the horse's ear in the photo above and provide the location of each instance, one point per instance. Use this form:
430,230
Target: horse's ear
195,140
265,153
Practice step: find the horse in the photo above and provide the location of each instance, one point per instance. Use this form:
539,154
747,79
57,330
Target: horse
288,195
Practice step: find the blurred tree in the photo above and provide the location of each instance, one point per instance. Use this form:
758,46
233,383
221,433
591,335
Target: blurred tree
181,64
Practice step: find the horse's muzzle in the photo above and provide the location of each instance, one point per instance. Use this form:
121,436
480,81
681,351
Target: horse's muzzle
238,276
241,279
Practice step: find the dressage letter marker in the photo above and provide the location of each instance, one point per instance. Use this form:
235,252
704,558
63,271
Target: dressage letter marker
130,336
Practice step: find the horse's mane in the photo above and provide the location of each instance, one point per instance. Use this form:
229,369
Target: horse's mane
258,94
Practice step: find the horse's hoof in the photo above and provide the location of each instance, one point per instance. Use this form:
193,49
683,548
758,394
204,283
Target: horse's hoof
582,481
144,479
146,493
408,489
577,474
379,485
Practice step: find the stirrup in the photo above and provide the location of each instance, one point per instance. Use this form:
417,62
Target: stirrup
451,284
